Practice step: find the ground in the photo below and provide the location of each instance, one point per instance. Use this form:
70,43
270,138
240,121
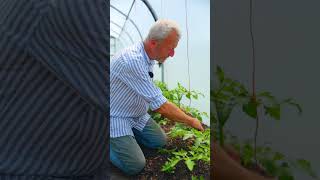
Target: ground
155,160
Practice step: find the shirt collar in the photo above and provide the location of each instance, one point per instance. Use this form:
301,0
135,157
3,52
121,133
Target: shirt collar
146,57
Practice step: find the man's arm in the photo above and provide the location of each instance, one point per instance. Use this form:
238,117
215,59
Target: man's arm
172,112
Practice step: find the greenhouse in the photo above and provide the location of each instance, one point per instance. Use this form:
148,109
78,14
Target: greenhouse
184,80
159,90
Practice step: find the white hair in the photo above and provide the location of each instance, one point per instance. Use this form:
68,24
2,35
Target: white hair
161,28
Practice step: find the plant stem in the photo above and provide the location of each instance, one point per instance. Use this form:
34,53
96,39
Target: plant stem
221,135
253,83
255,139
219,90
253,55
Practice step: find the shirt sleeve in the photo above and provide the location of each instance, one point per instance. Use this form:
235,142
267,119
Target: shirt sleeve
135,75
72,41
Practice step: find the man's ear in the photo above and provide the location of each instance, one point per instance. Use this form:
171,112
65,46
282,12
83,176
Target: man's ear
153,43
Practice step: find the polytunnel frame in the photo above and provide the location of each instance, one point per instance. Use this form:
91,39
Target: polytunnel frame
126,32
154,15
120,41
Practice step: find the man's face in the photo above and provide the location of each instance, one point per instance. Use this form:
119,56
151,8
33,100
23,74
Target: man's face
165,48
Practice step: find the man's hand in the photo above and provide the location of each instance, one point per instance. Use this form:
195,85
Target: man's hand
195,123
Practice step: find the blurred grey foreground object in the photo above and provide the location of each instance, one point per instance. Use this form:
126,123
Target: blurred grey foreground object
54,65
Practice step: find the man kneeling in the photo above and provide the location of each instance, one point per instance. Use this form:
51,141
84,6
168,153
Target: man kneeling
132,93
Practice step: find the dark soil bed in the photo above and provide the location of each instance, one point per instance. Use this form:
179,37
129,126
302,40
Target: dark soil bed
155,161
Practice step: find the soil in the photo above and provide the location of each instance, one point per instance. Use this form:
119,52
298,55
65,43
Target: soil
155,161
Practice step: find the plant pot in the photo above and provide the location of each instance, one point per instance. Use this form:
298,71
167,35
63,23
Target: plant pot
255,168
232,152
259,169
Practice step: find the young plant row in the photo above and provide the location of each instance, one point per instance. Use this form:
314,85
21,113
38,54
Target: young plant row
197,143
199,148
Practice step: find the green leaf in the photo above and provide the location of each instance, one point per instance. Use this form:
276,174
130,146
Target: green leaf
195,96
205,114
220,74
284,172
169,166
304,163
190,164
286,177
306,166
278,156
182,153
166,151
266,97
163,122
247,154
199,156
250,108
265,94
273,111
270,166
228,89
196,178
187,136
188,95
293,103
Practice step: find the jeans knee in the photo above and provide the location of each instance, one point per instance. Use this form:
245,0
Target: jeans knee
136,166
163,141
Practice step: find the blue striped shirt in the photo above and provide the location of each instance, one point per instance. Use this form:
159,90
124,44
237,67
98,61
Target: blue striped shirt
132,91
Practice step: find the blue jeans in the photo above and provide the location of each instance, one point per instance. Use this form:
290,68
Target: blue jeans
126,154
